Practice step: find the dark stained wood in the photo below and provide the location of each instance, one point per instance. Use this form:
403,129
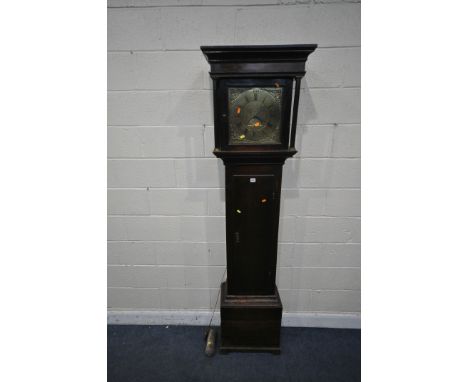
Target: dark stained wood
250,323
292,142
261,65
253,193
251,307
257,60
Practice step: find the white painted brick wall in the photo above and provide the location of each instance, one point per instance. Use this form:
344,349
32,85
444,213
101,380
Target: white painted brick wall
155,142
166,199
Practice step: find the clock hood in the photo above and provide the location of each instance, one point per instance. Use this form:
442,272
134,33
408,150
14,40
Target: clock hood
267,59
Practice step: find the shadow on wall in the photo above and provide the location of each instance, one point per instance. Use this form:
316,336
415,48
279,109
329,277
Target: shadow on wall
292,167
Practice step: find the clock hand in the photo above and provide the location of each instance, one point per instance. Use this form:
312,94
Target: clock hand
255,124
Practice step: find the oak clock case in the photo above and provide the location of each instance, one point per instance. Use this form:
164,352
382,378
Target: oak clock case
255,95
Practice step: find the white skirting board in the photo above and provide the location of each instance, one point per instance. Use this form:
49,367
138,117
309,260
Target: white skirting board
202,318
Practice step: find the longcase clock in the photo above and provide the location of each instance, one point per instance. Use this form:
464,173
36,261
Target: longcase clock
256,95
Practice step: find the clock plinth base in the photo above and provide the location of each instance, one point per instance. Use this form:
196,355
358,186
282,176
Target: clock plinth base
250,323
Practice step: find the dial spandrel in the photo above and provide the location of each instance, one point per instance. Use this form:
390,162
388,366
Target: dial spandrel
255,115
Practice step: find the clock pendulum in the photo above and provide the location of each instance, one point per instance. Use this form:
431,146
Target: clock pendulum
255,117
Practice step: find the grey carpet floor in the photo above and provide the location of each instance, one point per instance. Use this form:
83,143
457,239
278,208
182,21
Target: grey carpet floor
176,353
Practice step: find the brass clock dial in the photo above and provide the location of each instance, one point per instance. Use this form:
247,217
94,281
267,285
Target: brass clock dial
255,115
